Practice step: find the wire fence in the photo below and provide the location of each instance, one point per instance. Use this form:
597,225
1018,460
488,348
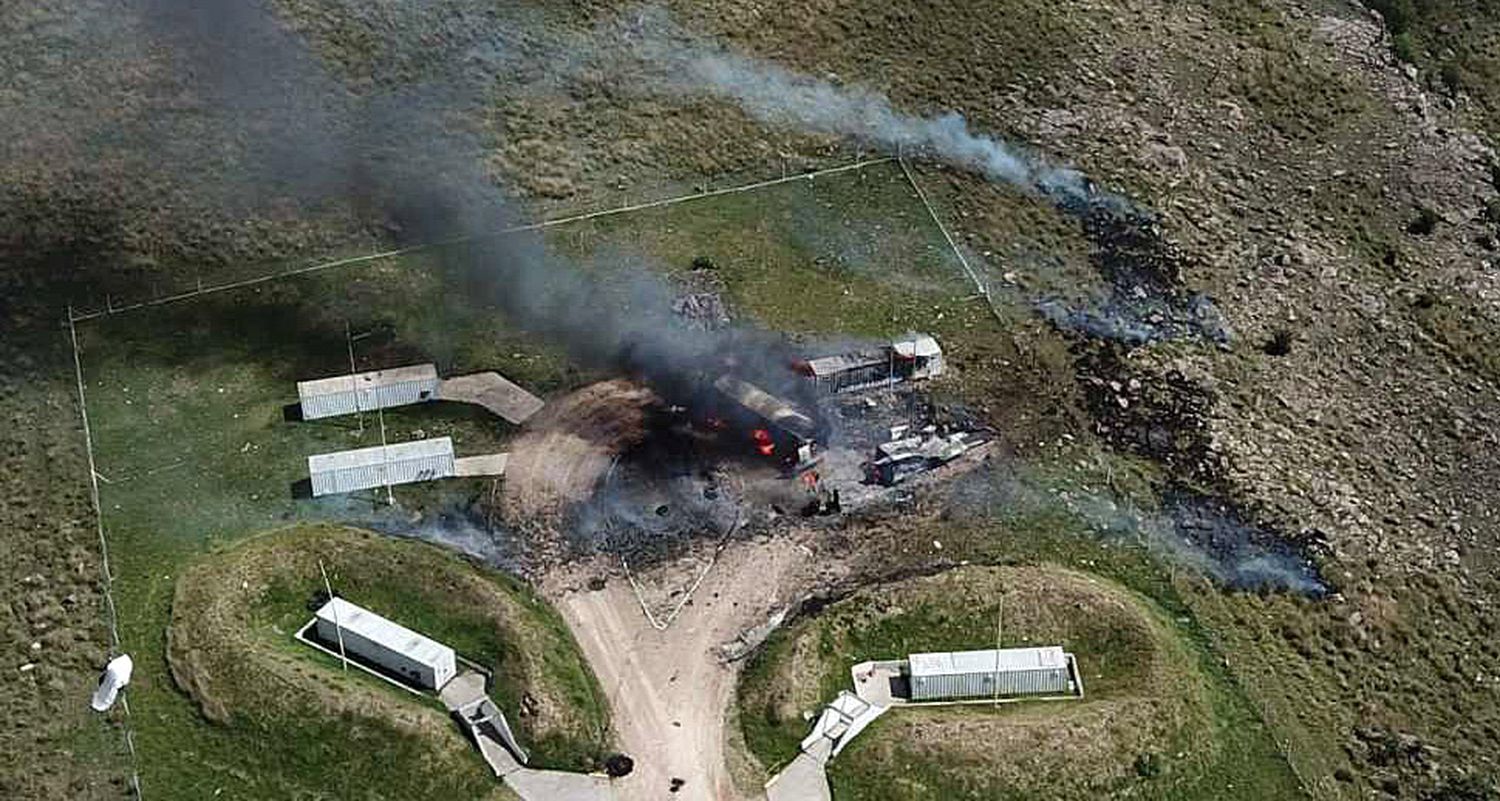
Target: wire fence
201,289
979,286
107,577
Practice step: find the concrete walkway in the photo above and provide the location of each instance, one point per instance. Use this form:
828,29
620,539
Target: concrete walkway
494,392
466,699
804,778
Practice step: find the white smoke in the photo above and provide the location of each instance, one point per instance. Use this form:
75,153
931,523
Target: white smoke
779,96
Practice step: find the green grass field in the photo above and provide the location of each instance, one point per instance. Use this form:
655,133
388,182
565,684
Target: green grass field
234,609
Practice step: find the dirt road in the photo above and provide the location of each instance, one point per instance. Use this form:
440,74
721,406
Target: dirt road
669,690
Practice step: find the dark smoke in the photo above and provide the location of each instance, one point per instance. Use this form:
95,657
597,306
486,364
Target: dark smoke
403,159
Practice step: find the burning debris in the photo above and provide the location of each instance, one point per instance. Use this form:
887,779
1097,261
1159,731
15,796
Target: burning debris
777,429
904,457
701,311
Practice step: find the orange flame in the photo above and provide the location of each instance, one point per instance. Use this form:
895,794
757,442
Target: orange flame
763,441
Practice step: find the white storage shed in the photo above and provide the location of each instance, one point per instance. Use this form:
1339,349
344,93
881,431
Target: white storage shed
923,353
364,392
978,674
394,648
378,466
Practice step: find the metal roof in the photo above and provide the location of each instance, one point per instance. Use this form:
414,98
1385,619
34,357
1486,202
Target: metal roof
358,381
768,406
843,362
917,345
390,635
380,454
989,661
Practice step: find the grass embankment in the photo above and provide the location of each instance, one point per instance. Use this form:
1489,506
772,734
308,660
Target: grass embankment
1148,727
230,647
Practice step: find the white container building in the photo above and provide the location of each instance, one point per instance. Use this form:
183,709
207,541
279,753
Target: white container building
381,465
394,648
365,392
982,674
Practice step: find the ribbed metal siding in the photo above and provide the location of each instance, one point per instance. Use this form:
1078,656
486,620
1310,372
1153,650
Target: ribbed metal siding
368,399
857,378
430,676
971,685
401,471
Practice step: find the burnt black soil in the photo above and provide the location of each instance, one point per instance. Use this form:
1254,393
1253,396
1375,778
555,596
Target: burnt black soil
1165,418
1147,299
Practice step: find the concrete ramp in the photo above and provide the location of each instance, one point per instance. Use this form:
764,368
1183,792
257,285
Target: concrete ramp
494,392
466,698
492,464
556,785
804,778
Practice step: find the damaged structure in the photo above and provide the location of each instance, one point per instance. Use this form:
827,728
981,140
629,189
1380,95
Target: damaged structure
910,358
904,456
778,430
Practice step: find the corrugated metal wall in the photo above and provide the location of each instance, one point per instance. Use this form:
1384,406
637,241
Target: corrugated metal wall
401,471
857,378
395,662
368,399
1044,681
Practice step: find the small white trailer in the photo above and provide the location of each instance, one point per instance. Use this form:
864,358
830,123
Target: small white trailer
366,392
395,649
992,673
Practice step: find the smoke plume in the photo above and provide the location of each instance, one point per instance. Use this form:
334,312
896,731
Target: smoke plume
774,94
404,159
1188,528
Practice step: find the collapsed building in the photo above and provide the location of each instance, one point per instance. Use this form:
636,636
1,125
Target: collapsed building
904,457
778,430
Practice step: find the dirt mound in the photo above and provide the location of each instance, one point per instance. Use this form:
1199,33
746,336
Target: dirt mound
230,646
569,446
1144,698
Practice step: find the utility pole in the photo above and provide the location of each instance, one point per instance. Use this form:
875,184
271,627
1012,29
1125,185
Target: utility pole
999,622
337,627
385,461
359,408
